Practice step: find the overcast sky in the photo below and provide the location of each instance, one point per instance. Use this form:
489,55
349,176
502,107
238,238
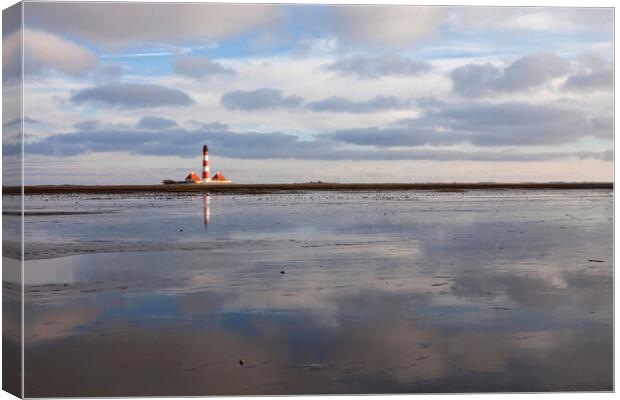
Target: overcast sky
129,92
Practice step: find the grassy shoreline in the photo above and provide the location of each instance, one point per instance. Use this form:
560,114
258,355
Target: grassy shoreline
297,187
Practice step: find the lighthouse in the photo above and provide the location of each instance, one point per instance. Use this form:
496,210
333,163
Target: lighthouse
205,163
206,177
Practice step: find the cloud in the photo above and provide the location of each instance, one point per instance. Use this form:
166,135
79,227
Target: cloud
384,26
480,124
531,71
457,155
17,122
88,125
395,137
485,124
179,142
155,123
545,19
109,72
209,126
596,80
121,24
594,73
517,123
159,50
11,54
367,67
11,21
132,95
340,104
604,123
568,19
44,53
527,72
267,98
256,146
608,155
474,80
259,99
200,67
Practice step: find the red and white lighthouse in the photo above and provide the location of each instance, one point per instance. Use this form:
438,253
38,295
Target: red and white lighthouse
205,162
206,178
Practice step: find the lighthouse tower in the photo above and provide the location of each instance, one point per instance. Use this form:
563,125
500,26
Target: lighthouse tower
205,163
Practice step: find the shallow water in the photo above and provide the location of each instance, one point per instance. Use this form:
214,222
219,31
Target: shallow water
318,292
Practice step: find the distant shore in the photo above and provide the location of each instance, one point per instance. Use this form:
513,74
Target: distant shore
298,187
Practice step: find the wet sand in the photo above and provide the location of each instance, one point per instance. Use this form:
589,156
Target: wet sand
318,292
281,187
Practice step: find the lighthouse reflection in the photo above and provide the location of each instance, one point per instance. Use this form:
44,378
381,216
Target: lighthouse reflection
206,199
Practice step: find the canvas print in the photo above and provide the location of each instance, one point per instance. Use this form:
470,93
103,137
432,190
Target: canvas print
207,199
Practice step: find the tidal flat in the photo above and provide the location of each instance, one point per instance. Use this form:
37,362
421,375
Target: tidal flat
318,292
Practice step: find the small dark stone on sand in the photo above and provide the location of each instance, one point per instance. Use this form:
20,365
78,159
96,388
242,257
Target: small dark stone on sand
282,272
241,361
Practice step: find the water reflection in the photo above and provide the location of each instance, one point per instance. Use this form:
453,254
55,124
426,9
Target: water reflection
206,198
423,295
